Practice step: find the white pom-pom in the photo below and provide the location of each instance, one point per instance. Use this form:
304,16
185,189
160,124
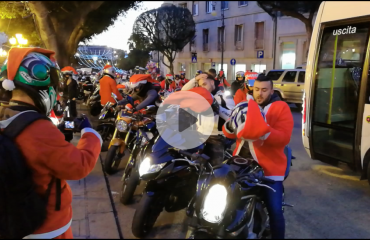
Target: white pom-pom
8,85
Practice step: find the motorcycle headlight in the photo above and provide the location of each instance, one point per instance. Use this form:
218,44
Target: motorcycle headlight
214,205
121,126
146,168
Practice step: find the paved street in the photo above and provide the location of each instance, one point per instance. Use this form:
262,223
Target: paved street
329,202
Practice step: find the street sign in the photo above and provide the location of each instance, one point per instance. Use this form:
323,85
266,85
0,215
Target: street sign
213,64
193,57
232,61
260,54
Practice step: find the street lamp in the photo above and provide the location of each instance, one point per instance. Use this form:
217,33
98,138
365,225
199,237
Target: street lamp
18,39
214,13
3,53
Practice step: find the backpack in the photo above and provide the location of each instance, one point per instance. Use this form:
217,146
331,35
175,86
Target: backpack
22,210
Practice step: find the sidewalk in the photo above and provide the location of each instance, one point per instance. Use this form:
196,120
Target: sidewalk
93,216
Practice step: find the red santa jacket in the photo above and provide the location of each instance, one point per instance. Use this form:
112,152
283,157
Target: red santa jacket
172,86
107,87
48,155
267,131
242,95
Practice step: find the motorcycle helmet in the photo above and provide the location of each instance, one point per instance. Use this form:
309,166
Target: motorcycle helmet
34,71
109,70
198,72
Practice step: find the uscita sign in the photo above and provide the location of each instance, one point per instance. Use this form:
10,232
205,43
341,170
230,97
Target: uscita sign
348,30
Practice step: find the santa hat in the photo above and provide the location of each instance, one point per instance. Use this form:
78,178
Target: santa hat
169,76
182,73
15,58
69,69
137,79
186,100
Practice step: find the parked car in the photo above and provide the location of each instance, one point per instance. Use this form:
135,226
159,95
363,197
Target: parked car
289,84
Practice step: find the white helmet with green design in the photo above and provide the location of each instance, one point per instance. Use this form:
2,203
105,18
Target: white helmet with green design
34,71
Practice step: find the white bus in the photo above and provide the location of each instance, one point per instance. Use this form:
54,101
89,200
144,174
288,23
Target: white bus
336,103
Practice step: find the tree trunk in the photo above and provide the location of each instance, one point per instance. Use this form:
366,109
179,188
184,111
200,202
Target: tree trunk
60,36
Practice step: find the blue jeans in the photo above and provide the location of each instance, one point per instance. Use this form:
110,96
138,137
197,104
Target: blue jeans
273,201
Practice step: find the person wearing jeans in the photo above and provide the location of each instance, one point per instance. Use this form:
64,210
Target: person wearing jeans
265,124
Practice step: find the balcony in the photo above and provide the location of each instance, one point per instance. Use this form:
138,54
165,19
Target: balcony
205,47
219,46
239,45
259,44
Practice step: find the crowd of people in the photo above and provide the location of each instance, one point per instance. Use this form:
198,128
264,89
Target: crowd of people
252,115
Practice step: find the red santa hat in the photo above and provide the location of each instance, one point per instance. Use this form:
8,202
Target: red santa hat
69,69
15,58
169,76
138,79
186,100
251,126
182,73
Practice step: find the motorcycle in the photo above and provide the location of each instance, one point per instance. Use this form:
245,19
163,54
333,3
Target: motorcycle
170,184
126,126
106,125
93,103
229,203
146,133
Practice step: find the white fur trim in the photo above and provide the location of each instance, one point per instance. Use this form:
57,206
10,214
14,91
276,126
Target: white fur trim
90,130
133,85
50,235
8,85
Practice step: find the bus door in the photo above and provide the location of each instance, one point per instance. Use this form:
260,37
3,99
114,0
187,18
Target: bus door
336,90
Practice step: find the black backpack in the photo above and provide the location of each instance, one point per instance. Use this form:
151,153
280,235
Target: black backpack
22,210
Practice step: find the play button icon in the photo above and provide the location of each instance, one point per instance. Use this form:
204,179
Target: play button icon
186,120
180,126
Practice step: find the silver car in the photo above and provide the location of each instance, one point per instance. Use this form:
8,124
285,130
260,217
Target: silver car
289,84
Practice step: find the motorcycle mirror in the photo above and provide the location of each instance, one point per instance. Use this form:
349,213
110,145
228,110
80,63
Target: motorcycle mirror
114,96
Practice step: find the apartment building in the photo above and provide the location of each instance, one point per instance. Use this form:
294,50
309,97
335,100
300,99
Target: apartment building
250,36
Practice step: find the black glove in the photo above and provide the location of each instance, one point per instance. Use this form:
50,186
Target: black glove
215,106
81,123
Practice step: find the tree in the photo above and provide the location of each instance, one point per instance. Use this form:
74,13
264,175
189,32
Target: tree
294,9
166,29
14,19
136,57
62,25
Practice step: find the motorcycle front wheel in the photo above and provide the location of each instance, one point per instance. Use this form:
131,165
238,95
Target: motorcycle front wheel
112,160
146,215
129,184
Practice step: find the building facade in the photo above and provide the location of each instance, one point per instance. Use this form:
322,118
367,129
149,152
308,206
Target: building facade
252,39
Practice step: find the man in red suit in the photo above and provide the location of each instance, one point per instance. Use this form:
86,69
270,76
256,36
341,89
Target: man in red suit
265,125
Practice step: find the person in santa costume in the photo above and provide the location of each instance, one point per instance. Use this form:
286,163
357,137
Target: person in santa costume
244,92
178,82
144,92
108,86
168,84
183,79
265,125
32,76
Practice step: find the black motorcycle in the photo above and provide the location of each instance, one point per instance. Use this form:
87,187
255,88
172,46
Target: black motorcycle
170,184
229,203
146,133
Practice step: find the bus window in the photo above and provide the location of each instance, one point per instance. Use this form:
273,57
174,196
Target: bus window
274,75
341,59
301,77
